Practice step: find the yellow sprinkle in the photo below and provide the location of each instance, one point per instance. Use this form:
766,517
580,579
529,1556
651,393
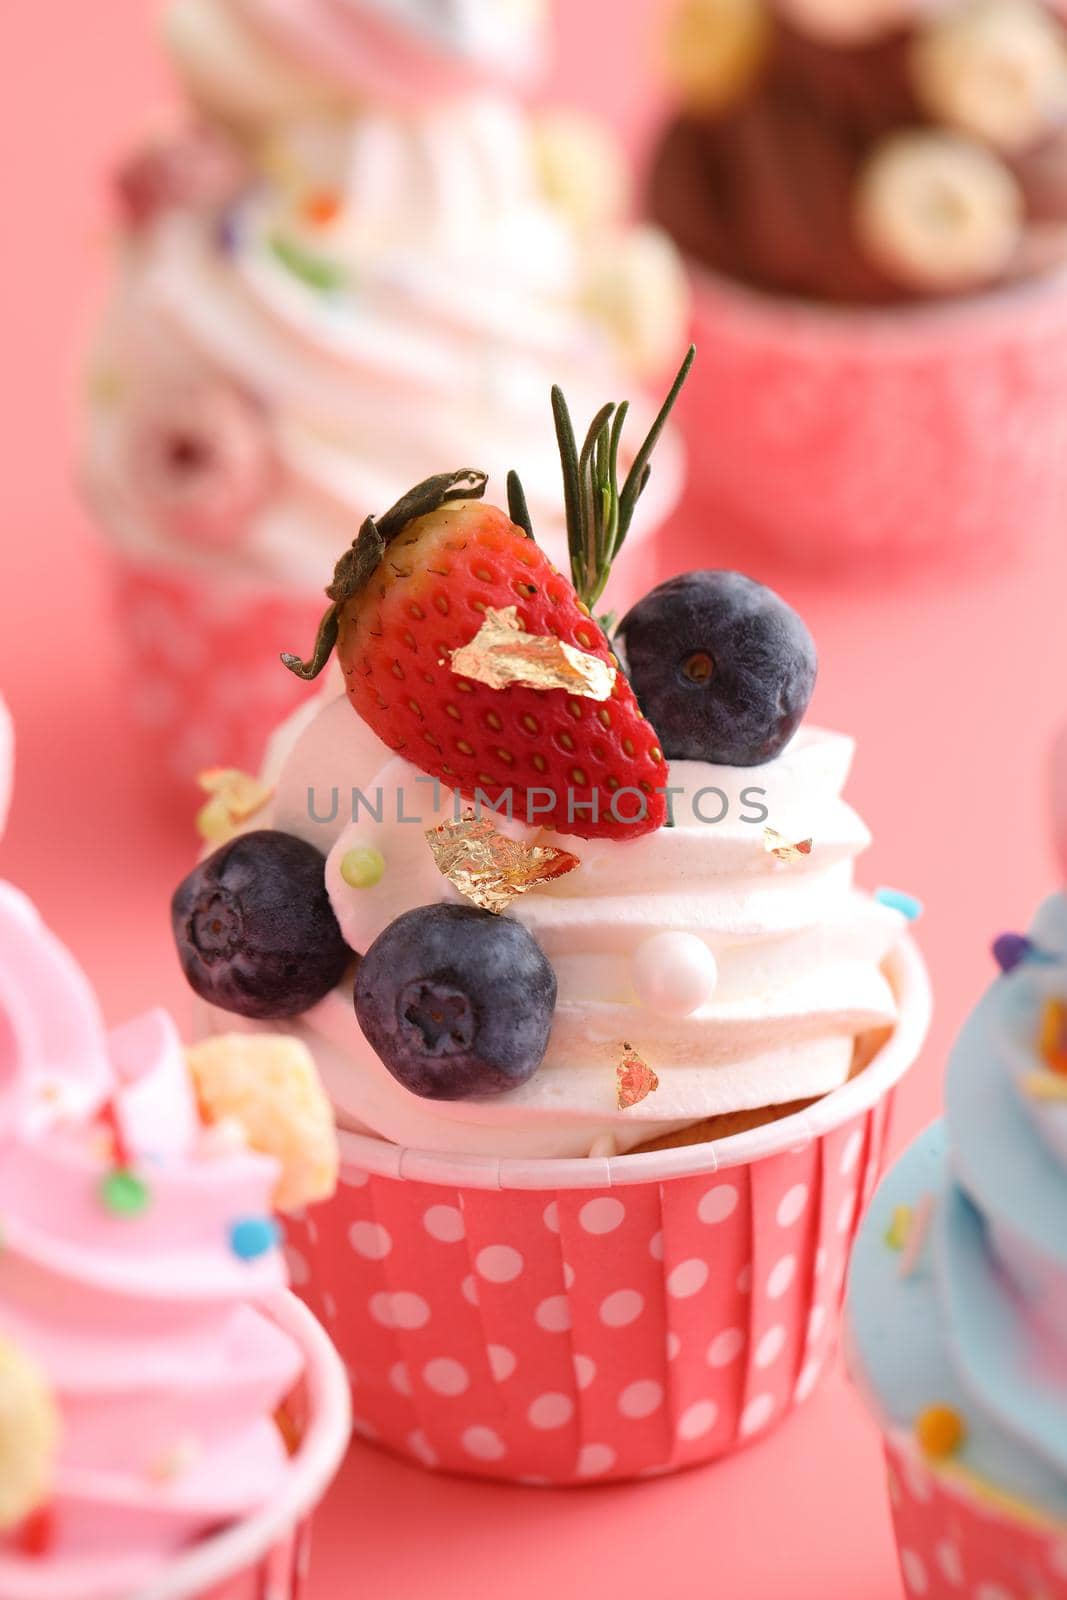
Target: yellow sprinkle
1054,1036
899,1229
1046,1086
940,1431
176,1461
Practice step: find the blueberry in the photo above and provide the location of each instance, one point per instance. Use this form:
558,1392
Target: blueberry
255,930
457,1002
721,666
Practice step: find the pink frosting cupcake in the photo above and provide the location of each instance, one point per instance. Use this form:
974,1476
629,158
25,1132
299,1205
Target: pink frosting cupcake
176,1414
364,223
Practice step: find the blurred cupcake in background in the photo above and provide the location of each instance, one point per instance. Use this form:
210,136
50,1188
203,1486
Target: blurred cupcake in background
957,1304
362,254
873,194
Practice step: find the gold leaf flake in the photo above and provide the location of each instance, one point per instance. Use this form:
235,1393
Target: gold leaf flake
777,845
235,797
489,868
502,653
636,1080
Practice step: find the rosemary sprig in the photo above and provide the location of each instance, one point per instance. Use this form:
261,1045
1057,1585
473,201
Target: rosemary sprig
518,510
599,513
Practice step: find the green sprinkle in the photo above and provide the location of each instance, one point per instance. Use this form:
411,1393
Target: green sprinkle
362,867
124,1194
315,271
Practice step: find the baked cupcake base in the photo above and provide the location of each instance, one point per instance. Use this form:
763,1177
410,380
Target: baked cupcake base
728,1125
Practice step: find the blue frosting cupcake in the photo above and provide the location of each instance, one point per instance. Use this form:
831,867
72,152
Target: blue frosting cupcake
957,1310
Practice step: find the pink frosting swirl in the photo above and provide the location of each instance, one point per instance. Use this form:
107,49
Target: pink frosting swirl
121,1275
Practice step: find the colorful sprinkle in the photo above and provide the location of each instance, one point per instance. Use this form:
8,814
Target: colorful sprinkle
37,1533
228,232
940,1431
289,1429
897,900
124,1194
1053,1043
253,1237
176,1461
314,271
362,867
121,1155
322,208
1046,1086
1010,950
915,1243
899,1230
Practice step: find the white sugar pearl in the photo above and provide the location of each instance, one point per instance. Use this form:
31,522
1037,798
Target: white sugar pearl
674,973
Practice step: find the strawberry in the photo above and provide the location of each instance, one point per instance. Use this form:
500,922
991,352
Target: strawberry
417,585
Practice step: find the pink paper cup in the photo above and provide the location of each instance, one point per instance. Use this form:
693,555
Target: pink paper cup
266,1557
565,1322
952,1544
204,685
846,437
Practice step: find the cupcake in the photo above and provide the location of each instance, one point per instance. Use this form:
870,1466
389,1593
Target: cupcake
610,1034
873,196
957,1309
171,1414
300,271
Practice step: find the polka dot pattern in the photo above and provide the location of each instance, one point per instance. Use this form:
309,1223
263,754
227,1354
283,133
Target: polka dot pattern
641,1399
445,1376
444,1223
370,1240
179,626
602,1216
588,1334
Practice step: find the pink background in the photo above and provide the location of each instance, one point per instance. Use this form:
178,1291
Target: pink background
952,685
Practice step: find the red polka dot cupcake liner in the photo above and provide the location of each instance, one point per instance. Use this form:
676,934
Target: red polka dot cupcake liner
897,436
267,1557
954,1545
203,685
566,1322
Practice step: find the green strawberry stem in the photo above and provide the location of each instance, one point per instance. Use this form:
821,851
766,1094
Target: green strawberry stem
599,513
364,555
